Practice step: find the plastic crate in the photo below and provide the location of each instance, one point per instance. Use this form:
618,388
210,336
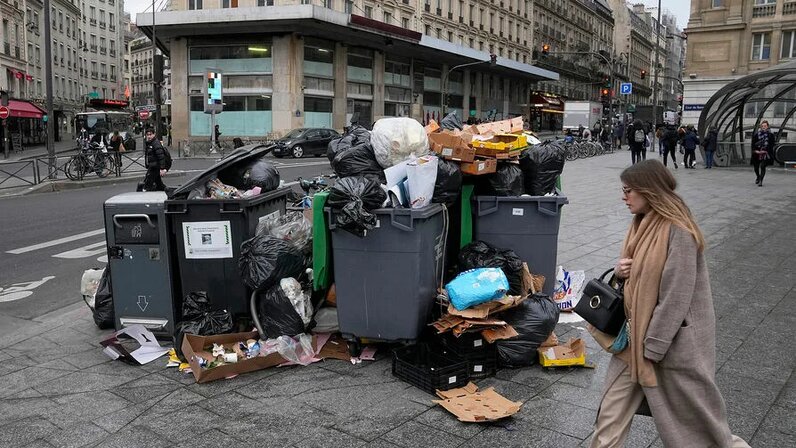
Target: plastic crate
528,225
429,369
386,282
219,276
480,355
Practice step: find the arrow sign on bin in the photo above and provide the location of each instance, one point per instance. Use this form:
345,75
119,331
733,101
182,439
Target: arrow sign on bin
142,303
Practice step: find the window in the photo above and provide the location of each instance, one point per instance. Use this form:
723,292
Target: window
387,17
265,2
765,2
369,12
761,46
229,3
328,4
788,44
405,23
717,3
194,4
349,6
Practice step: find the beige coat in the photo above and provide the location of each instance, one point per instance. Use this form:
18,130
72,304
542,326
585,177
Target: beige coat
687,406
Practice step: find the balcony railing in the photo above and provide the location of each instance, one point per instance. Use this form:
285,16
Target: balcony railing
764,10
92,21
94,75
104,76
112,27
113,53
789,8
93,48
103,50
16,52
103,25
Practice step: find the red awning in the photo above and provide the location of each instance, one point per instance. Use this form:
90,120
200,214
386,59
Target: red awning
24,109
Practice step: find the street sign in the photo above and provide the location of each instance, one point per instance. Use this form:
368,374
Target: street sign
4,112
626,88
143,114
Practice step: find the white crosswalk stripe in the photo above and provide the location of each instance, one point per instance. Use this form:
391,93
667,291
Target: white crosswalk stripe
89,250
83,252
64,240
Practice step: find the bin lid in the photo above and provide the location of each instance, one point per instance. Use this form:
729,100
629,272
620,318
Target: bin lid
240,155
146,197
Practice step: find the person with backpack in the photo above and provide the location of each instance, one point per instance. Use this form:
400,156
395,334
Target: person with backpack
710,143
669,138
158,162
637,139
690,143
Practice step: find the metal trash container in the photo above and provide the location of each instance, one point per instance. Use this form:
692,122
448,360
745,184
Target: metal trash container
139,259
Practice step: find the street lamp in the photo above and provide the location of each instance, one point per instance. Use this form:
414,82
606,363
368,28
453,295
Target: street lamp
492,62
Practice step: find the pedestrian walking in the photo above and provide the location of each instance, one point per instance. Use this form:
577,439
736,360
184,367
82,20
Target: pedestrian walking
155,156
637,139
762,151
670,355
619,132
116,146
710,143
690,143
216,134
669,144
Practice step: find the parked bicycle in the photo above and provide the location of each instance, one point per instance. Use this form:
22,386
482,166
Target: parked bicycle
310,188
90,159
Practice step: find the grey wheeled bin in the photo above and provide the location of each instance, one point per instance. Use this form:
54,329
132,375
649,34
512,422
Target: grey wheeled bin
528,225
140,261
386,282
207,233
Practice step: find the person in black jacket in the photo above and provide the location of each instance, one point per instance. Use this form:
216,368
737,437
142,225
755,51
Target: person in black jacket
710,143
669,139
637,140
762,151
690,143
155,157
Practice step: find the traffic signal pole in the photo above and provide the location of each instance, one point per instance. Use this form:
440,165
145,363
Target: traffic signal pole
655,78
610,62
492,61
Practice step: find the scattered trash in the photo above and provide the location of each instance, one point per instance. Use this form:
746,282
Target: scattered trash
276,314
199,318
326,320
448,186
103,302
451,122
534,320
148,347
291,226
89,283
353,199
470,405
264,260
573,353
396,139
479,254
421,174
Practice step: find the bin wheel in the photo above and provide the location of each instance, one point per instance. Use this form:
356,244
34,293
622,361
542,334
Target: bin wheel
354,349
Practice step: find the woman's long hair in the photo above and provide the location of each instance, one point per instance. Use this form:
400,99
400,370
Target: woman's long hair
656,185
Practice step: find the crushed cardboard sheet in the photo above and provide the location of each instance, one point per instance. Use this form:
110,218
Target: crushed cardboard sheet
497,334
470,405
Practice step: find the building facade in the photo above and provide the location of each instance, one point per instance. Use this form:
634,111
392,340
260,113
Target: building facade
12,51
102,39
572,29
633,38
355,60
733,38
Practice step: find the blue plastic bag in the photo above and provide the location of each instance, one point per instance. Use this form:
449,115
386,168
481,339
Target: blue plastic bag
477,286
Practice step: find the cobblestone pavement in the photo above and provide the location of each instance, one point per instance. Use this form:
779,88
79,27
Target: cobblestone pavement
58,389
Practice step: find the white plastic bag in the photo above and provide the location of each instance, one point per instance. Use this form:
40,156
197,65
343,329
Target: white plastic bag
297,350
298,298
568,287
422,176
88,285
395,139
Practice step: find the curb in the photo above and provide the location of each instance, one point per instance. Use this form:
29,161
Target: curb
66,185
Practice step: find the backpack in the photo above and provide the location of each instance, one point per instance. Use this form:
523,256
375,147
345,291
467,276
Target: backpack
639,136
167,158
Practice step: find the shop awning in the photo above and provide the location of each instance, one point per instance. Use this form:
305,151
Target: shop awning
24,109
547,102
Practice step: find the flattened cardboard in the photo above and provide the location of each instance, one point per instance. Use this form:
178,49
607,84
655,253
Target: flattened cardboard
573,353
446,323
498,334
551,341
484,310
473,406
193,346
479,167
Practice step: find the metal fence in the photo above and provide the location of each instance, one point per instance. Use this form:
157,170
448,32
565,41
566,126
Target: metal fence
18,174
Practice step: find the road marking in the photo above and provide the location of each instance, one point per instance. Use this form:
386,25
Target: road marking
67,239
103,259
21,290
83,252
300,164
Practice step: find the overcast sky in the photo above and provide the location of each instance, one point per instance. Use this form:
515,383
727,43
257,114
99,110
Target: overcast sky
680,8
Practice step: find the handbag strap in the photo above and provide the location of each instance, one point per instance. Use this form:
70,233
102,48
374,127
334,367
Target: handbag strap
620,284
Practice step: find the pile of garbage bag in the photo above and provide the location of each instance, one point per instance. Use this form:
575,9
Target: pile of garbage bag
479,254
534,320
541,165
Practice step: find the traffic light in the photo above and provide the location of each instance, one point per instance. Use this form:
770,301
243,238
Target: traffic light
604,92
643,74
607,81
545,49
492,60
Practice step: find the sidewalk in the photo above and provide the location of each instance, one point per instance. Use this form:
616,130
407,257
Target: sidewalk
58,389
32,152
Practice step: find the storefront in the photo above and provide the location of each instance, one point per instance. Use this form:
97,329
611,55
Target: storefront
26,123
547,112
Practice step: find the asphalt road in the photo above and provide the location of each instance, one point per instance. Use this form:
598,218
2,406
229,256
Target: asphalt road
47,240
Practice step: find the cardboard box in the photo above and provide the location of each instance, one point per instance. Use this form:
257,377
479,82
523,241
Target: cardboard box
516,124
451,147
573,353
479,167
432,126
193,346
503,142
497,154
498,334
470,405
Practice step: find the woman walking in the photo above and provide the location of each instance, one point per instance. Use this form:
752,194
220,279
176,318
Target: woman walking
762,151
671,351
710,143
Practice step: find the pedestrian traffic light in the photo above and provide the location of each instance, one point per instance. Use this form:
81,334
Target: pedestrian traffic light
493,60
545,49
643,74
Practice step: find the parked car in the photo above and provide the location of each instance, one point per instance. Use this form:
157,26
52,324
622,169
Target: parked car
304,141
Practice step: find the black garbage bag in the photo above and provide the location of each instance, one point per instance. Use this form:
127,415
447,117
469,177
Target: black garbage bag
451,122
264,260
199,318
530,170
449,183
276,314
358,160
479,254
548,158
506,181
103,302
258,173
534,320
356,135
353,199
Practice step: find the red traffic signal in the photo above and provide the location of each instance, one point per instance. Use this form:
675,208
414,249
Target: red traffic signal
545,49
643,74
604,92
